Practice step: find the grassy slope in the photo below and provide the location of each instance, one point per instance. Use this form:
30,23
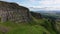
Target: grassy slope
33,28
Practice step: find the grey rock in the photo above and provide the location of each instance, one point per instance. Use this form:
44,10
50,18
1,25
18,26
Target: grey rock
13,12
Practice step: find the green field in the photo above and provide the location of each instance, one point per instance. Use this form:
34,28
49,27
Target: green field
34,27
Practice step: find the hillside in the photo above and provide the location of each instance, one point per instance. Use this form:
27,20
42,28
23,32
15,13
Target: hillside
48,22
15,19
37,26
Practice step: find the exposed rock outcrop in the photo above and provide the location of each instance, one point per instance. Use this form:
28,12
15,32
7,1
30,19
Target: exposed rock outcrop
13,12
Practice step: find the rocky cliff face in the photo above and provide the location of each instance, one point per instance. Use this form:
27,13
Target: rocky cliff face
13,12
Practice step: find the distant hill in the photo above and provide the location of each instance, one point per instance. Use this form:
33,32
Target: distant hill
36,15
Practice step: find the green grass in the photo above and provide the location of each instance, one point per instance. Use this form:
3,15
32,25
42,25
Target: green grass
46,24
24,29
33,27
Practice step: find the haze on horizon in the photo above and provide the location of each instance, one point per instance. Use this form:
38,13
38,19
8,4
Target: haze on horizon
38,4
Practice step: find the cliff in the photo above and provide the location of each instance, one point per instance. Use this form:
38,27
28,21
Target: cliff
13,12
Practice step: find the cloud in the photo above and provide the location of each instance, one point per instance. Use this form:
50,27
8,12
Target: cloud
46,2
49,3
32,0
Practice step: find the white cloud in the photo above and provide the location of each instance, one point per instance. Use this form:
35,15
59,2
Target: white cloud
32,0
46,2
50,4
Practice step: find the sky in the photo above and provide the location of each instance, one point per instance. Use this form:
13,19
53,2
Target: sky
44,4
